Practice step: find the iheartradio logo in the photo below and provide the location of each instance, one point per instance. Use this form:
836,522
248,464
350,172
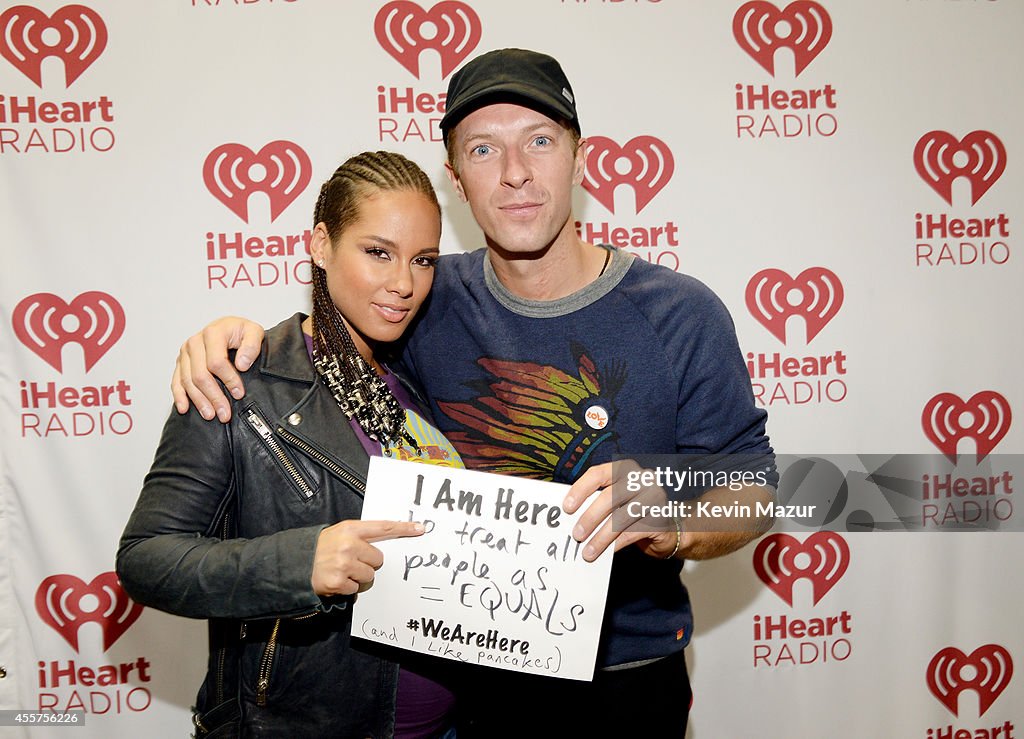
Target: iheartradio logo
404,30
780,560
986,671
940,159
816,295
65,602
985,418
644,163
45,323
761,29
281,170
74,34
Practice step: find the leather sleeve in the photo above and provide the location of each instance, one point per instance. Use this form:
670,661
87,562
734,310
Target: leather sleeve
172,555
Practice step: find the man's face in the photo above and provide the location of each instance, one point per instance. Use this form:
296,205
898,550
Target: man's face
516,169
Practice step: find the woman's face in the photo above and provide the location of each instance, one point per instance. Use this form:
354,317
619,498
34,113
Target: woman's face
380,269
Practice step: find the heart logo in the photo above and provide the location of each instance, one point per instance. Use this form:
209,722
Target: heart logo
827,556
280,170
761,29
816,295
77,37
404,30
981,156
644,163
989,669
45,323
985,418
65,602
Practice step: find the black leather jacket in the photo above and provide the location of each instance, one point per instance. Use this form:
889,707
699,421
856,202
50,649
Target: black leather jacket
225,529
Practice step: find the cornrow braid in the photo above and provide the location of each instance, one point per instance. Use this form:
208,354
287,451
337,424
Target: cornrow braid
382,171
358,389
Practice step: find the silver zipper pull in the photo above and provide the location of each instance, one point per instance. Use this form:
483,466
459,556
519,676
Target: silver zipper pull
257,423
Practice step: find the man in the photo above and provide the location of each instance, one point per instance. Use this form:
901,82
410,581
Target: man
543,356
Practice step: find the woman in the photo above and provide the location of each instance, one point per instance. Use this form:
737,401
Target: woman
255,525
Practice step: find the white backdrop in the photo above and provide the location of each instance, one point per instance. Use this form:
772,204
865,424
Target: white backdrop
767,151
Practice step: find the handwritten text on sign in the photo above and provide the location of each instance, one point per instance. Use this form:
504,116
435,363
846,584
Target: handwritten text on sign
497,579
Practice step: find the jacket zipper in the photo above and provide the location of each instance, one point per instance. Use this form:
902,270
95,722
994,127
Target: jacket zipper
263,679
337,469
222,652
261,428
220,675
267,661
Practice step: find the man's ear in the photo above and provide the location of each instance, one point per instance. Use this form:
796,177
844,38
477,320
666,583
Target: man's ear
580,163
319,243
453,177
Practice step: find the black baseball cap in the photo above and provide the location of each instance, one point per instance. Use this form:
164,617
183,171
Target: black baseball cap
518,76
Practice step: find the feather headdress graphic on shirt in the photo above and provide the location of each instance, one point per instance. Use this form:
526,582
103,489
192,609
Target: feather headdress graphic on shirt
537,421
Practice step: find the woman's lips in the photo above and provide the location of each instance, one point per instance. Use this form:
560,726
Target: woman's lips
391,313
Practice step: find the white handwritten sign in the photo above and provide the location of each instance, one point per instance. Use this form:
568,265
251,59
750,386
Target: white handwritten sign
497,579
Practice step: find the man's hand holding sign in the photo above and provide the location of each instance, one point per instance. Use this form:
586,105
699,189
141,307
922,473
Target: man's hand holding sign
626,502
